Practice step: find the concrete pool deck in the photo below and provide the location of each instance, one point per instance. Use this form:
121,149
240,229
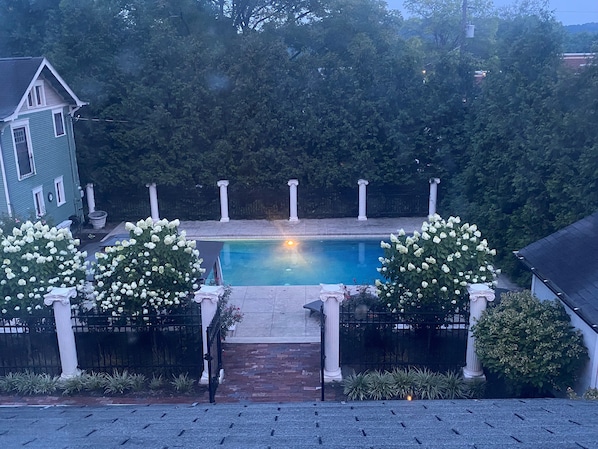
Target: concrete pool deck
276,314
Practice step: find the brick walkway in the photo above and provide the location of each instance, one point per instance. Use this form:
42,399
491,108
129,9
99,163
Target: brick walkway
273,372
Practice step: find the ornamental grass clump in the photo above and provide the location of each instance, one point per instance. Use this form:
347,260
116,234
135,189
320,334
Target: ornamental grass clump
34,258
530,344
426,274
152,273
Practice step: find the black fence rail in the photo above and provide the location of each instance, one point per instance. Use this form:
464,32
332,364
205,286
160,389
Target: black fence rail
187,202
168,345
384,340
30,346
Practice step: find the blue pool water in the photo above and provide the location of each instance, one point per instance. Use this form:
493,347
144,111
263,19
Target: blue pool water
300,262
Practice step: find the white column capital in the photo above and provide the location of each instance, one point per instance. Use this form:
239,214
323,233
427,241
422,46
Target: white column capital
293,182
434,180
480,291
363,182
210,293
332,291
150,184
60,294
89,185
222,183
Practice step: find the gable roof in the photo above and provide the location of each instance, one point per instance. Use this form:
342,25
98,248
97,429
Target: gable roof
567,262
18,76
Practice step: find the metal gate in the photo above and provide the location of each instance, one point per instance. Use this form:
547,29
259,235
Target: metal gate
214,356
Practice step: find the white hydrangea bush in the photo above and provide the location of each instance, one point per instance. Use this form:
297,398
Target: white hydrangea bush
427,273
153,272
34,258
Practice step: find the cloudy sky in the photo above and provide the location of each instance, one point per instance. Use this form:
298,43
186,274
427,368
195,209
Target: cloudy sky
569,12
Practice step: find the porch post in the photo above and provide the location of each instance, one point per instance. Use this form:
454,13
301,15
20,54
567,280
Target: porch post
59,298
362,199
208,297
223,184
433,195
332,295
90,196
293,183
479,295
153,194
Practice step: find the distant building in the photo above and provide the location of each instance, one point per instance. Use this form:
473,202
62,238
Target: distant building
38,166
577,61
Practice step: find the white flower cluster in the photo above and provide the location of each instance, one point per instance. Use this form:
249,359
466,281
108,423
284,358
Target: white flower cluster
430,270
34,258
154,271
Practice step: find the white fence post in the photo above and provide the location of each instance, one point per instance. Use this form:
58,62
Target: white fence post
153,194
208,296
293,183
60,299
362,199
223,184
433,195
479,295
90,196
332,295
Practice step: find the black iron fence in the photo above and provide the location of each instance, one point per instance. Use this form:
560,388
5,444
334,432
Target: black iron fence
214,355
29,346
167,345
245,202
372,340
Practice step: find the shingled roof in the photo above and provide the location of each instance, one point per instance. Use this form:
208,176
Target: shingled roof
567,262
18,75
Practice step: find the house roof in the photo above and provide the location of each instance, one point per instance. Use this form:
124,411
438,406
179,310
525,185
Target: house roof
18,76
567,263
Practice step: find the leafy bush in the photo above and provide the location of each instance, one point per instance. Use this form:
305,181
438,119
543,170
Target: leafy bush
151,273
182,383
427,273
413,383
34,258
530,343
229,314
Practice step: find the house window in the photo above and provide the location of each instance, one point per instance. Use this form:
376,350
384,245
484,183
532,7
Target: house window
23,151
37,95
59,188
38,201
58,123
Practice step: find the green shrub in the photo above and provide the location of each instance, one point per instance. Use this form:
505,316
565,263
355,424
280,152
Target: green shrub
182,383
356,387
118,383
530,343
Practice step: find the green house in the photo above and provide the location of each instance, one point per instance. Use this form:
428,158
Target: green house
38,167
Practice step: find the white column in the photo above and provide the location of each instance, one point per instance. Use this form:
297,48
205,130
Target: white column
60,299
208,297
91,199
479,295
433,195
153,194
293,183
332,295
362,199
223,184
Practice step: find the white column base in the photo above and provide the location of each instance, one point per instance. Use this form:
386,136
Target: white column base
224,220
360,218
204,379
333,376
76,373
294,220
474,375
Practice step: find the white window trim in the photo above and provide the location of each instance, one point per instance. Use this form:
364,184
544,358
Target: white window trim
32,95
22,124
59,189
54,112
38,193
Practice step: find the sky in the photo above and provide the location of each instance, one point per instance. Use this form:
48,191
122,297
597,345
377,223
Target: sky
569,12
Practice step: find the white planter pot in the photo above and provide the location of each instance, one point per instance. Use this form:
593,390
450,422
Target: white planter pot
98,219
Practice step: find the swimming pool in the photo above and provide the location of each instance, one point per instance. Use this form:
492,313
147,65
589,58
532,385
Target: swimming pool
300,262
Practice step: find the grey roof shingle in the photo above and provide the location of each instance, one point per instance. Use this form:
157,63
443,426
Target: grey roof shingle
568,261
480,424
15,74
